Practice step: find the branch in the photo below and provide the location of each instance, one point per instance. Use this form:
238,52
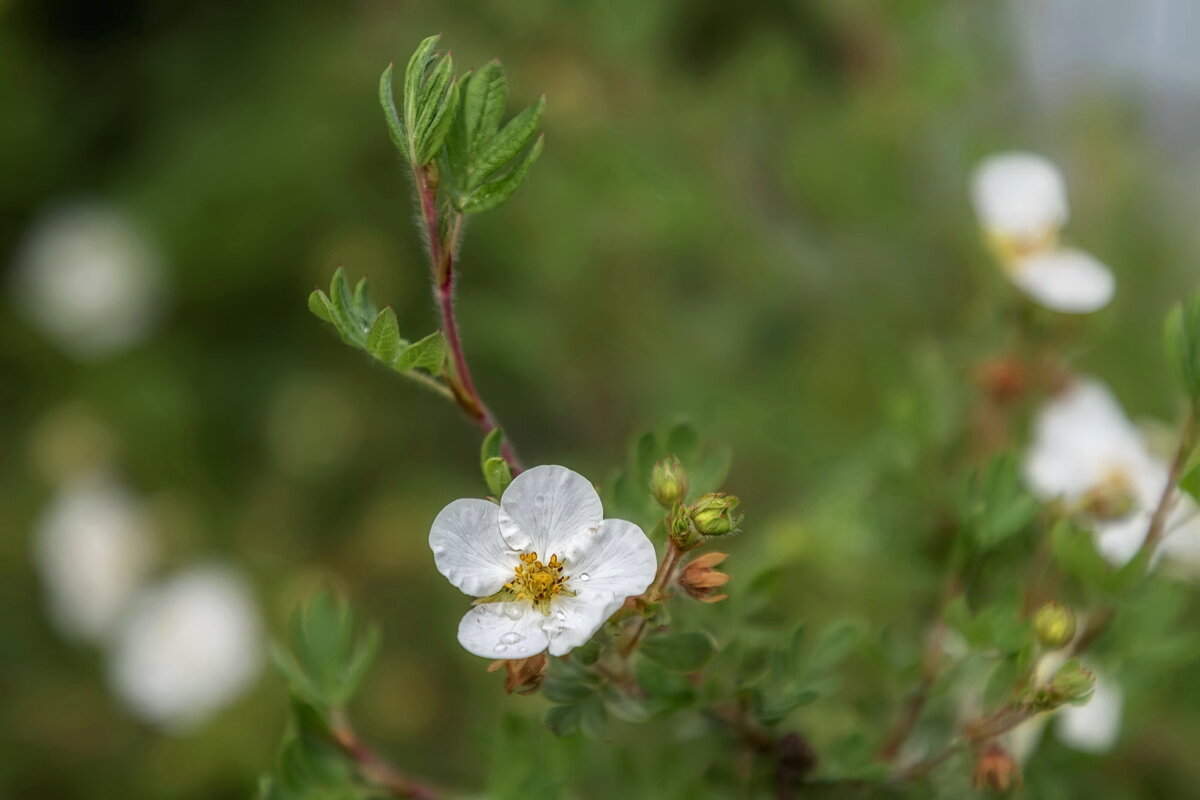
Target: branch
442,251
375,768
1158,523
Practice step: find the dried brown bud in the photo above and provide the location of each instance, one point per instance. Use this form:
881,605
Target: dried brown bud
997,770
701,580
522,675
1003,379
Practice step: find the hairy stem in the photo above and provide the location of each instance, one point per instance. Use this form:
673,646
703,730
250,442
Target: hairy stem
443,249
655,593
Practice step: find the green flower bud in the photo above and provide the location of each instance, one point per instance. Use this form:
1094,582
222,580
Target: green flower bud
1073,684
668,482
1054,625
713,514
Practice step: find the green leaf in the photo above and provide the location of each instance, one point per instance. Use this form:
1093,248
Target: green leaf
1182,333
491,447
511,140
564,720
680,652
428,353
683,441
326,661
414,76
383,340
484,98
443,110
319,305
493,193
1075,552
388,102
832,647
345,317
498,475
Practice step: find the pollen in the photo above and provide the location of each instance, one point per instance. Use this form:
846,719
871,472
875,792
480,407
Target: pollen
539,583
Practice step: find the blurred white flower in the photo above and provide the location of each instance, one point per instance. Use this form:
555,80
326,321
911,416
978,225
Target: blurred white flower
1020,200
1095,726
551,568
1019,196
1087,453
92,547
188,647
89,279
1064,279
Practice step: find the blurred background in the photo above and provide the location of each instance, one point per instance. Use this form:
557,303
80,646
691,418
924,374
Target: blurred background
750,214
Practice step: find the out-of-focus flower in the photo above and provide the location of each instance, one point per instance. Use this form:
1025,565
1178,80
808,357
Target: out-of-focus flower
1086,453
549,569
1020,200
187,647
93,547
996,769
88,277
1095,726
1020,197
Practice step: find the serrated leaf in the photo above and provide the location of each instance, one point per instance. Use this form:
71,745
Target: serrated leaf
508,142
387,101
383,340
428,353
319,305
493,193
680,652
414,76
483,100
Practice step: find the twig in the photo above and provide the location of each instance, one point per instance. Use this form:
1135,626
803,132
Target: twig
655,593
442,251
375,768
1158,522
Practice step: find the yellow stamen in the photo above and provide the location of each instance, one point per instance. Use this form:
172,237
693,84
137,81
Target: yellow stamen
539,582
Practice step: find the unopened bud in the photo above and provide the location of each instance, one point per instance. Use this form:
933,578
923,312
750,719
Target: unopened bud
714,514
522,675
1054,625
1073,684
668,482
996,770
700,578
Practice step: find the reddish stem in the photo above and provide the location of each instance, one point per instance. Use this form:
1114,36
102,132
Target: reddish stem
375,768
441,256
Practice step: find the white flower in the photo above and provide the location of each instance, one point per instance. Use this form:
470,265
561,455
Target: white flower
1019,196
187,648
1087,453
1020,200
553,569
92,548
1094,726
88,277
1064,279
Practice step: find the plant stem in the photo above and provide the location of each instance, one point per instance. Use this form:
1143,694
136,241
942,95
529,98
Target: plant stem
655,593
373,767
1158,523
442,252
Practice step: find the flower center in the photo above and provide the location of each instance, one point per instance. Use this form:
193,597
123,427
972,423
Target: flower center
1113,497
538,582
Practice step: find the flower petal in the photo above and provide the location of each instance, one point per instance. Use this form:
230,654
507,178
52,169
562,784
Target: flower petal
574,620
1066,280
1095,726
503,630
1119,540
618,560
467,547
1080,437
546,507
1019,195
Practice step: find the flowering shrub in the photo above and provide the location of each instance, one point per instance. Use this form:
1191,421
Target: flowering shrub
1054,537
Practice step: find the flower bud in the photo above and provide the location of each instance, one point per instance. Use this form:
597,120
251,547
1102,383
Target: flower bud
522,675
996,770
713,514
1054,625
668,482
701,580
1073,684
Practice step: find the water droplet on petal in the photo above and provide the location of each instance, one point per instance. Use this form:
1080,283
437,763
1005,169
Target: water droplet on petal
511,638
512,612
540,500
500,648
583,576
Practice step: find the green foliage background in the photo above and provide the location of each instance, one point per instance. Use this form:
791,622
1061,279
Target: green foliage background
751,214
